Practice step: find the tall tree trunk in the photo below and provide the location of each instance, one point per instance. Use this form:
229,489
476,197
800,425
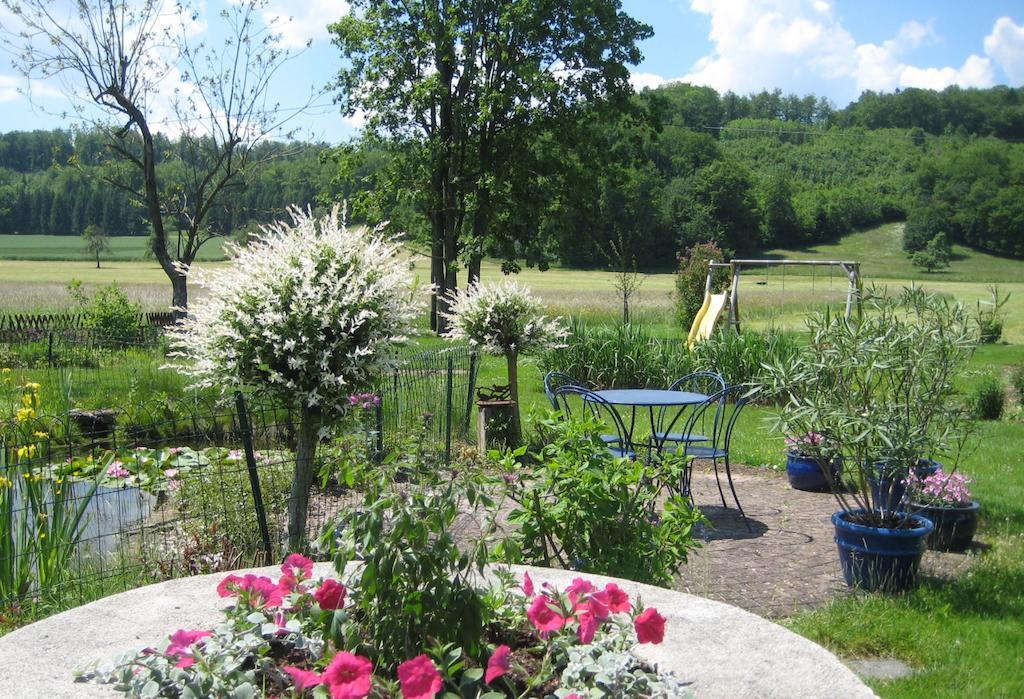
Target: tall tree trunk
473,271
97,259
516,436
436,274
305,471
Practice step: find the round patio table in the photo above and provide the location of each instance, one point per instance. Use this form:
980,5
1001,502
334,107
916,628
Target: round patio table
650,398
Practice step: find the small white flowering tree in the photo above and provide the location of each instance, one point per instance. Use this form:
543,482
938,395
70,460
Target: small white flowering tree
503,319
308,312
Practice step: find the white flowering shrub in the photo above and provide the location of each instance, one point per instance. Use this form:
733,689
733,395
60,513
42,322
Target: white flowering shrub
504,319
307,311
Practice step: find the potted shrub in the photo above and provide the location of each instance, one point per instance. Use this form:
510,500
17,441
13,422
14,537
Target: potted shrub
805,469
879,389
945,499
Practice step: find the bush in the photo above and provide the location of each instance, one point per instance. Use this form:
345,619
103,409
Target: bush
619,356
584,509
987,398
740,357
692,279
109,312
1017,381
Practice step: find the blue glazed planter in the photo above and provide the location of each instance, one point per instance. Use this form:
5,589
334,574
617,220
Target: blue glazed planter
880,559
954,526
805,473
889,483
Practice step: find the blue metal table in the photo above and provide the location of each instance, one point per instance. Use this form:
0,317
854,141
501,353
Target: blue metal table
650,398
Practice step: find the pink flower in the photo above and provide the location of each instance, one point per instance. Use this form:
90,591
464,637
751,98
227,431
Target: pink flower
230,586
174,450
579,587
236,455
116,469
257,590
650,626
297,566
618,600
181,645
498,664
573,696
171,472
587,627
419,678
527,585
544,615
330,595
348,676
597,603
303,679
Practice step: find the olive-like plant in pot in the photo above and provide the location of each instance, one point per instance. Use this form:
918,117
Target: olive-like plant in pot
506,320
309,313
879,389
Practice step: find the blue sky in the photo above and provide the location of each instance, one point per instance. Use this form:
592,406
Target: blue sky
836,48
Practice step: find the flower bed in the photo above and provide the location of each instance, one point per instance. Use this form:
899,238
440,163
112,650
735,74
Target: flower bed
289,636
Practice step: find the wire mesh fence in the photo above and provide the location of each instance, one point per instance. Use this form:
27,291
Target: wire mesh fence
99,496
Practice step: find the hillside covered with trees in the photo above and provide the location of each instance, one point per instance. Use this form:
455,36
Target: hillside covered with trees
683,165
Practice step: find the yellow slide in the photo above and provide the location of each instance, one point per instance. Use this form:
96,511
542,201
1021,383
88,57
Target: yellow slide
707,316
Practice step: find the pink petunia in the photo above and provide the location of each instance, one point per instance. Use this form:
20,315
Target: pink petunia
330,594
498,664
230,586
618,600
597,603
116,469
419,678
297,566
348,676
171,472
543,615
650,626
579,587
587,627
182,640
303,679
527,585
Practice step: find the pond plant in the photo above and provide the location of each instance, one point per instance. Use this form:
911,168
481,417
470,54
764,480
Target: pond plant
308,312
880,391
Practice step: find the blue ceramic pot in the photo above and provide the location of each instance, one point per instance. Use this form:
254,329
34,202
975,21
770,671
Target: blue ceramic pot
805,473
889,483
878,558
954,526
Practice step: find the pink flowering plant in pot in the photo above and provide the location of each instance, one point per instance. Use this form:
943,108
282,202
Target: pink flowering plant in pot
945,499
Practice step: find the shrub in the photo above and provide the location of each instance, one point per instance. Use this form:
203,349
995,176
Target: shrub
1017,381
582,508
620,355
309,312
987,398
692,279
109,312
740,357
989,316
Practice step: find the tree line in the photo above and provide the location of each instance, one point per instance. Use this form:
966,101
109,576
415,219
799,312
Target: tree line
682,165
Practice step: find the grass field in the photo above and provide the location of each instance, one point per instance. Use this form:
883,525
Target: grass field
69,247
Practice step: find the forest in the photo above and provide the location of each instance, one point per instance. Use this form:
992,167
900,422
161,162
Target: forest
682,165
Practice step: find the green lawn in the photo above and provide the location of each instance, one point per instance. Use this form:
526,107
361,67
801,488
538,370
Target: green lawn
69,247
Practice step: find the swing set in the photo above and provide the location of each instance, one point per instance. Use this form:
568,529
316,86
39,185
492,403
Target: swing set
714,304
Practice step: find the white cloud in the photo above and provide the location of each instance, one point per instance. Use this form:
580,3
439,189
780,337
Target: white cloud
643,81
300,23
8,88
1006,46
802,46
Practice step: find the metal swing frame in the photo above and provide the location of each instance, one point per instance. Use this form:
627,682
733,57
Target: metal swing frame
735,267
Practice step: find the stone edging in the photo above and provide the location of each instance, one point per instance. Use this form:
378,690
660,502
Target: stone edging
723,650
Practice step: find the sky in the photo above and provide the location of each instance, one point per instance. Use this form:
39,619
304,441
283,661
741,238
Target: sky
835,48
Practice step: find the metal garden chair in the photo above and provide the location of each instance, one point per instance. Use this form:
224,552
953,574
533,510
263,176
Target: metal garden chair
706,382
579,401
554,380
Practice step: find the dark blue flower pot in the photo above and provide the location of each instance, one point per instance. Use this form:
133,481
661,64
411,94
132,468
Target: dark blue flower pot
877,558
805,473
889,483
954,526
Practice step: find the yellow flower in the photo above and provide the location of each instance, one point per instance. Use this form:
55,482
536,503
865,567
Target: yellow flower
25,414
33,387
42,535
40,435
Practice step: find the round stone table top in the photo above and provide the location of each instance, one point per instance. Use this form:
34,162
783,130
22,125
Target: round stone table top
723,650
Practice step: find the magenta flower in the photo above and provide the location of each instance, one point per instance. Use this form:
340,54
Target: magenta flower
181,646
419,678
618,600
579,587
297,566
527,585
330,594
257,590
498,664
364,401
303,679
544,615
348,676
650,626
587,627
